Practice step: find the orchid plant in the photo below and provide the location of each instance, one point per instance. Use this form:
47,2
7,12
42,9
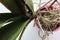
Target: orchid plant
46,18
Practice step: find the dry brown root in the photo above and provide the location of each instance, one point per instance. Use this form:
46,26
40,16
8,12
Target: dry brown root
47,19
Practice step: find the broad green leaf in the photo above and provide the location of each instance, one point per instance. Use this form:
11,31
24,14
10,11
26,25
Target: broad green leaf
12,30
30,4
18,19
7,17
21,6
13,6
8,21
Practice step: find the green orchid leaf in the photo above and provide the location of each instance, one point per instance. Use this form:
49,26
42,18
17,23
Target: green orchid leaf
8,21
13,6
6,17
12,30
12,24
30,4
21,5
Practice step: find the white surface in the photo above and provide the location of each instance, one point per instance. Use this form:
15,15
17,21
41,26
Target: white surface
3,9
31,33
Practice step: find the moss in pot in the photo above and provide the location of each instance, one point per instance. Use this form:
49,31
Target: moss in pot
49,17
48,20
